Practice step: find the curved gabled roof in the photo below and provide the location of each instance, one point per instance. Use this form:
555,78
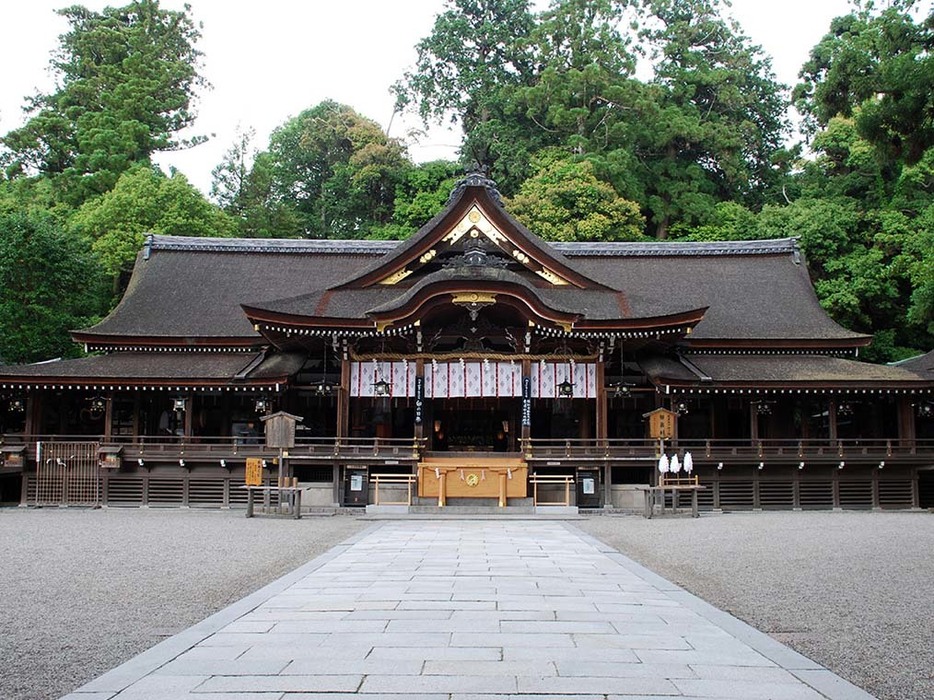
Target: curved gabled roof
475,195
194,291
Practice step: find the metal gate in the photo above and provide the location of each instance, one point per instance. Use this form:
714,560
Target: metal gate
67,473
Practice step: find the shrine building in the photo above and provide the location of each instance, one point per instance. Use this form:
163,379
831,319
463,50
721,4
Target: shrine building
471,364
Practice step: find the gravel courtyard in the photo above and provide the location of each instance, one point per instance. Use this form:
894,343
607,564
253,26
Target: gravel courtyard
853,591
83,590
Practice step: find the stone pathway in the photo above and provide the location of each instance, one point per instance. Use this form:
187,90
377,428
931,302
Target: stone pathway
458,610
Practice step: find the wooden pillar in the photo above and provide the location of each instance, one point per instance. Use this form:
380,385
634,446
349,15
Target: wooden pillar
602,429
336,484
906,421
753,423
109,417
796,489
832,419
189,417
601,408
343,400
33,413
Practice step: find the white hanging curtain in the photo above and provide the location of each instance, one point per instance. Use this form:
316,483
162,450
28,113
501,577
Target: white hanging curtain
473,378
400,374
548,375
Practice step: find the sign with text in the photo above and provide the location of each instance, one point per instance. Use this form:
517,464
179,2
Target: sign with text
661,423
526,401
254,472
419,399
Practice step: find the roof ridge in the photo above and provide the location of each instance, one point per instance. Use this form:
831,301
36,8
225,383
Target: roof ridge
271,245
666,248
571,249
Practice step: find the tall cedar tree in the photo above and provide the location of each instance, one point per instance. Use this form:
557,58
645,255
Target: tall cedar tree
125,83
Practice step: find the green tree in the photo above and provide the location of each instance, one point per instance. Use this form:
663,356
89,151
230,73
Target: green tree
336,170
715,130
145,201
878,68
565,201
845,165
126,78
229,179
476,53
423,192
584,69
50,282
243,185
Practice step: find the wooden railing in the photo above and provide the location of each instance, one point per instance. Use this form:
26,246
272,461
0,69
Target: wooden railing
727,450
393,480
409,450
211,448
549,480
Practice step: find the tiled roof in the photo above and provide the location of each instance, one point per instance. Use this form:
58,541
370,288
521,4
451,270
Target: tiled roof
158,369
782,371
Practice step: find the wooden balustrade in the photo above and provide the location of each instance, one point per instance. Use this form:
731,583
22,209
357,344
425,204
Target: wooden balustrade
551,480
212,448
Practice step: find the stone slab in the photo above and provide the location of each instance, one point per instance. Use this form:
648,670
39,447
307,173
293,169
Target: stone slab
470,610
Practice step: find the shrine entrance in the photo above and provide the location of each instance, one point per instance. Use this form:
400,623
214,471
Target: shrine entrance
475,425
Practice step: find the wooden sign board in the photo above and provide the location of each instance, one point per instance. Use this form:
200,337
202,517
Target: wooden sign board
280,429
110,461
254,472
110,457
13,457
661,423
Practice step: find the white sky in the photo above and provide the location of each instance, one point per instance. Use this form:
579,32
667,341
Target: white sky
270,60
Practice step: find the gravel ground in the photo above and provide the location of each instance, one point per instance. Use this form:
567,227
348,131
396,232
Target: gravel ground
852,591
82,591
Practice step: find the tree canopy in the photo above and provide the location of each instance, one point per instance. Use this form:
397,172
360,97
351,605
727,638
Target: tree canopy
125,82
51,284
145,201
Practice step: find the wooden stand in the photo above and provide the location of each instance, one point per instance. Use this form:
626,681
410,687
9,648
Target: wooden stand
293,493
656,494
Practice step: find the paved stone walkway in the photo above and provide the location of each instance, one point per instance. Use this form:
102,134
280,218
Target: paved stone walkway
470,609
